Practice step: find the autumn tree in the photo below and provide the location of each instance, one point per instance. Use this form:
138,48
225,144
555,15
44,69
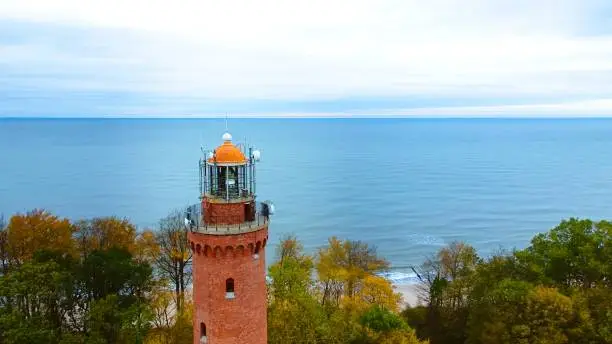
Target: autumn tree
593,316
518,312
303,309
294,314
174,258
343,266
103,233
146,248
67,284
37,230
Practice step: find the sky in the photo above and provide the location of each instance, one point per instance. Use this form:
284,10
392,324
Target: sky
186,58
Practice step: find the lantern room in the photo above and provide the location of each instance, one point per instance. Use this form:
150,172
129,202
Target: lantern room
228,172
227,187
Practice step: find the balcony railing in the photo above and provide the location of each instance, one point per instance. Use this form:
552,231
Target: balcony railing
193,220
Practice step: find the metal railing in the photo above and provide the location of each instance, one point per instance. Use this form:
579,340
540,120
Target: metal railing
194,221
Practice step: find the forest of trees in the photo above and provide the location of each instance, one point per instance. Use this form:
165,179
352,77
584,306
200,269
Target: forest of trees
557,290
93,281
103,281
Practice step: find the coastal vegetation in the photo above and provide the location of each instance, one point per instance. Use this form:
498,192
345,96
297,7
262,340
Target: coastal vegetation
92,281
103,281
557,290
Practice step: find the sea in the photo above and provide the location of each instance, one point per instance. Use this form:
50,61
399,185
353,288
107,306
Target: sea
405,186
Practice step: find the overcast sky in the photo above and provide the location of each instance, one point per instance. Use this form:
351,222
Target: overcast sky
305,58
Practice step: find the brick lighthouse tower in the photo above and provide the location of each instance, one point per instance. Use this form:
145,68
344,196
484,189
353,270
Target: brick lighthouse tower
229,231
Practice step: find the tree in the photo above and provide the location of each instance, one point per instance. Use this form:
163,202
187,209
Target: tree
103,233
289,247
446,281
295,316
38,230
592,321
41,296
111,322
15,329
291,275
576,253
386,327
113,272
343,266
381,320
174,258
66,284
35,302
304,310
518,312
169,326
146,247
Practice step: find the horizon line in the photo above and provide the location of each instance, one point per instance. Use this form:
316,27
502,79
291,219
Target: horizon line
335,116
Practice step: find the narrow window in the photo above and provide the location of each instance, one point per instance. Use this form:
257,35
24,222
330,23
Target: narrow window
203,338
229,288
257,247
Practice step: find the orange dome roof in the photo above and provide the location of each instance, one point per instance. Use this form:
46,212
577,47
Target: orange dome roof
227,153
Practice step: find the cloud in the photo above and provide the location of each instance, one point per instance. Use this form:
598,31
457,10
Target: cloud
203,56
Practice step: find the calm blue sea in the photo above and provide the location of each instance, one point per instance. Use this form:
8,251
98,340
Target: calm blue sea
407,186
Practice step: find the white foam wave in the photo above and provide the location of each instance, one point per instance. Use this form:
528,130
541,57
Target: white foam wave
398,277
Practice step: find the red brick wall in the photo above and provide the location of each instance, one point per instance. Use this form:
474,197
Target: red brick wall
223,213
241,320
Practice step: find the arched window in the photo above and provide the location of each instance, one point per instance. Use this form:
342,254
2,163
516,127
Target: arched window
229,288
203,338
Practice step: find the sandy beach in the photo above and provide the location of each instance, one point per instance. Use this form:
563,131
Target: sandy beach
409,293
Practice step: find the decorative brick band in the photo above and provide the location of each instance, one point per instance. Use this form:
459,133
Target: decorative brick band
236,245
228,251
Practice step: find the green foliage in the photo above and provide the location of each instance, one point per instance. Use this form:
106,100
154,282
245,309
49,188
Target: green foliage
593,316
114,272
17,329
557,290
110,321
93,283
518,312
294,314
379,319
52,295
576,253
347,304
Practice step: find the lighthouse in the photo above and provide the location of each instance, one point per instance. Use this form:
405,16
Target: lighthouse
228,234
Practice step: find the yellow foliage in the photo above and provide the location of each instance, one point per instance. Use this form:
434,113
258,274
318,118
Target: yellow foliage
346,269
38,230
105,233
547,313
146,247
378,290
